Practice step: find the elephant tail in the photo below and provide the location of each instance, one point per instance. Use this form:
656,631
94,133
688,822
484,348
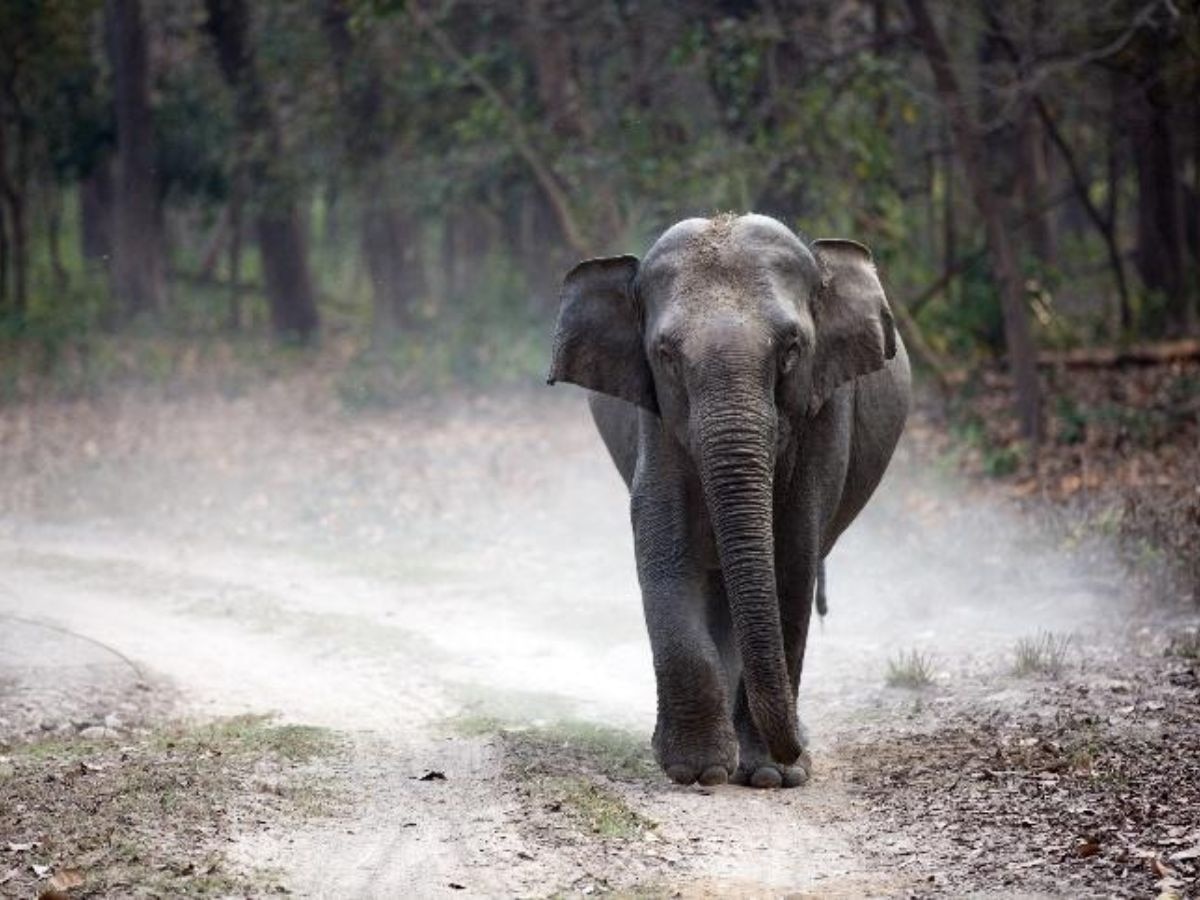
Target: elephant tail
822,599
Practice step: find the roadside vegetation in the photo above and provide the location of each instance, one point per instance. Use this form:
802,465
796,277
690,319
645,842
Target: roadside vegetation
150,813
912,669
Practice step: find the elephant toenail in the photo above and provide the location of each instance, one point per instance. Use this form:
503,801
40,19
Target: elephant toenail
681,774
714,775
794,776
766,777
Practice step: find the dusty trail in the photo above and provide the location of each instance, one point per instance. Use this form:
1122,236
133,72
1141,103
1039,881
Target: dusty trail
389,577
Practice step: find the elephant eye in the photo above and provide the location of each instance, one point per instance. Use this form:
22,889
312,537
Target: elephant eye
790,356
667,355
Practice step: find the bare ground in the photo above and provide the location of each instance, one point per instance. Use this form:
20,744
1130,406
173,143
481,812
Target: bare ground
449,588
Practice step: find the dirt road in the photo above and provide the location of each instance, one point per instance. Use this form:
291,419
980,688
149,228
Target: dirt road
453,590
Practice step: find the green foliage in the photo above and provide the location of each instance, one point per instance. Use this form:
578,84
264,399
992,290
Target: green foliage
195,134
997,460
1072,420
614,119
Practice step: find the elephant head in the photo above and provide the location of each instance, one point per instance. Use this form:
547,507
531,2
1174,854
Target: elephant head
733,332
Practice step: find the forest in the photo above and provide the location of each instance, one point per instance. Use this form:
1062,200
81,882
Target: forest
411,180
310,585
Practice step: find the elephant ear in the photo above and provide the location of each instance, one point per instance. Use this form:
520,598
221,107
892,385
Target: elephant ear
855,332
598,339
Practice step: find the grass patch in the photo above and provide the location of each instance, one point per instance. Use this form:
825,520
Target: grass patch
596,808
612,752
149,814
252,734
572,768
910,669
1043,654
1185,644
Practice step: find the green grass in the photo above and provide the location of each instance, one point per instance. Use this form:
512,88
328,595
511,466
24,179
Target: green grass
595,807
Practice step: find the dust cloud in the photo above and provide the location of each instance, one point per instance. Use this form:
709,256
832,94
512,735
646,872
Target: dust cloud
466,557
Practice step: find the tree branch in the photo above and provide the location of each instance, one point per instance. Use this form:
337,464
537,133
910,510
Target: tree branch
522,142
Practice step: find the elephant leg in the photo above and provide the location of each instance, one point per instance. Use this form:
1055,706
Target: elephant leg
694,738
755,767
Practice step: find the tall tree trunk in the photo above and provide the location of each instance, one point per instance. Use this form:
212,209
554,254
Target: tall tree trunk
949,218
12,193
278,222
138,268
1032,176
1160,238
54,205
1021,354
391,249
1112,174
282,241
3,256
237,202
389,235
95,214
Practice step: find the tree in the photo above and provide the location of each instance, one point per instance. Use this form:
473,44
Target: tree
278,222
138,273
389,232
1021,354
1149,114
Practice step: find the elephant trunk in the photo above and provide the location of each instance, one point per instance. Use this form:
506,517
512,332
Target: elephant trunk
737,461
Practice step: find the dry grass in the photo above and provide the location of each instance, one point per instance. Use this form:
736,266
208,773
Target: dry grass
912,669
1043,654
150,815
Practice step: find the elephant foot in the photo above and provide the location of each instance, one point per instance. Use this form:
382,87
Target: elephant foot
764,773
709,759
757,769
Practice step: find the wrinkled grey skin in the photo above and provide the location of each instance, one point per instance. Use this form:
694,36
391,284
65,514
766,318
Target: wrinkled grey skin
751,390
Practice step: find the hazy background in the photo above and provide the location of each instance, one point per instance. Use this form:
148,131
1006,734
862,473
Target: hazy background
402,184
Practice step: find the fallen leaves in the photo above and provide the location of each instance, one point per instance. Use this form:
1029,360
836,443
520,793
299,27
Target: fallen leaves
61,883
66,879
1068,799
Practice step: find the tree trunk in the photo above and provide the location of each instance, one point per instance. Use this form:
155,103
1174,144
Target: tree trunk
392,254
12,192
278,222
236,229
138,278
390,237
548,44
282,243
54,237
1021,354
1031,178
95,214
3,258
1160,240
1112,174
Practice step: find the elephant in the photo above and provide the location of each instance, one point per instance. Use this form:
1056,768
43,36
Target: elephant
750,388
